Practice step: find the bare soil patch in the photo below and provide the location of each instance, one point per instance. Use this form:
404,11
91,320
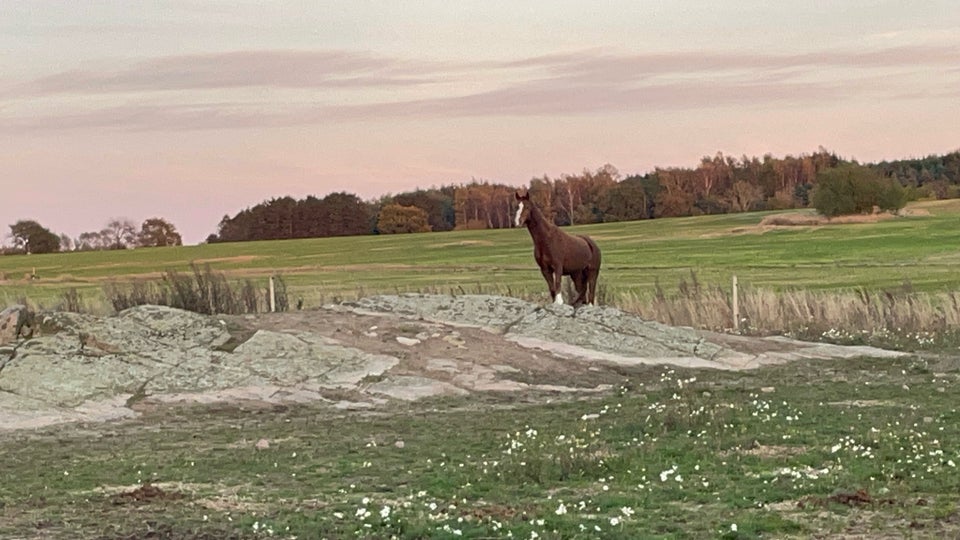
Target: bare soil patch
813,220
145,494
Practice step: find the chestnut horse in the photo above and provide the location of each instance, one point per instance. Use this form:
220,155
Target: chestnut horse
560,254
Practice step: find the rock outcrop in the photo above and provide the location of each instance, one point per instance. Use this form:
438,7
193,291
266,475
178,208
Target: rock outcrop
603,333
16,322
76,367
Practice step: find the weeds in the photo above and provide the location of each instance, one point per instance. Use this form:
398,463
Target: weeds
201,291
71,300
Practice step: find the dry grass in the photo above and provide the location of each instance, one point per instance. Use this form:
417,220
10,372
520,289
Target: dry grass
903,319
809,219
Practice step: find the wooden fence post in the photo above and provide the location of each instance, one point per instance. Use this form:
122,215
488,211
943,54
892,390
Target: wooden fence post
273,297
736,305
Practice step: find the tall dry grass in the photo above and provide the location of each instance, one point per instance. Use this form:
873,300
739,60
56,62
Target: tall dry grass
202,291
901,319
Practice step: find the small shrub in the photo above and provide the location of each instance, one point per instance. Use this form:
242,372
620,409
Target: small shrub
201,291
71,300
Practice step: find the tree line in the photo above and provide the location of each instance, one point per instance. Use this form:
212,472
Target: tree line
717,184
29,236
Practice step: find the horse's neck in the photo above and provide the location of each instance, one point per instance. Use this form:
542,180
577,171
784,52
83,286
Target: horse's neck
538,224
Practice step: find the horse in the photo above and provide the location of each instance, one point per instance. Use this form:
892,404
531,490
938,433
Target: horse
560,254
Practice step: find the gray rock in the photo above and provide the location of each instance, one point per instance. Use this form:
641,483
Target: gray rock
84,368
96,364
603,333
17,321
495,313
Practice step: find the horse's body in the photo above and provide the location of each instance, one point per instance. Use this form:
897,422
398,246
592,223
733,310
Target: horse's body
560,254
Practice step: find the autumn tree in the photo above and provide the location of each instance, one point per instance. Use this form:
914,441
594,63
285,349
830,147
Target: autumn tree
567,197
677,192
158,232
744,196
437,203
483,205
541,194
31,237
395,218
716,173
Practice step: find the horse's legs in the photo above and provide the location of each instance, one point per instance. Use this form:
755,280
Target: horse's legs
592,275
580,280
548,275
557,284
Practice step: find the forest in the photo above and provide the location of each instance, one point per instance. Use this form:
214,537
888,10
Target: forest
718,184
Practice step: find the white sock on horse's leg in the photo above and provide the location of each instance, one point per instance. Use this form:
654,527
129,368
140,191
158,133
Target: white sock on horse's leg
559,299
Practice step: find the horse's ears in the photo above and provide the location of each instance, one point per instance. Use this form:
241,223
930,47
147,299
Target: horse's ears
524,197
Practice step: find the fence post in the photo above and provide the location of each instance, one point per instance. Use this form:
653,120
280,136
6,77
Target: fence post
736,305
273,297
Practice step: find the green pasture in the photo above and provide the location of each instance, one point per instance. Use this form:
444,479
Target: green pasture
819,449
918,251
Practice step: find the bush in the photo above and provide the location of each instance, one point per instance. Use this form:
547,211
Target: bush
854,189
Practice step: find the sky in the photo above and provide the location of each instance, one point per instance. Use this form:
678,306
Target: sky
192,110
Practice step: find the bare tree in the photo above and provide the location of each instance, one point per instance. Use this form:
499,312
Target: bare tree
122,233
66,243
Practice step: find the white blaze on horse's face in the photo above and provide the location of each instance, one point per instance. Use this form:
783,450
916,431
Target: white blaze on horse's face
516,220
559,299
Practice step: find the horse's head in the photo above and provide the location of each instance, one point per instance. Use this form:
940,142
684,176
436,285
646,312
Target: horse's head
523,210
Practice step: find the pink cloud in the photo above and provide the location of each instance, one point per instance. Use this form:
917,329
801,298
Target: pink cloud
280,69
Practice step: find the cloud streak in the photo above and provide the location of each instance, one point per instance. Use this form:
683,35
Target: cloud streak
240,69
165,93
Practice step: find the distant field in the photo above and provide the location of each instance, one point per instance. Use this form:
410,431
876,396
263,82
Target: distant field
921,250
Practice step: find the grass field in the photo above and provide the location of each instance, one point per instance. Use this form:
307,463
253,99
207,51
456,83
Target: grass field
853,449
863,448
920,252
